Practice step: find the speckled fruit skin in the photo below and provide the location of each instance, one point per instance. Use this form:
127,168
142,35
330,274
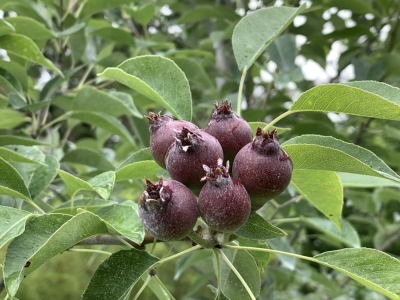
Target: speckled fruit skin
224,203
168,210
263,167
186,157
162,135
232,132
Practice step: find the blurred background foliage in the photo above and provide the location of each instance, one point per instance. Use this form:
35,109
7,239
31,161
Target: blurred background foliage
332,41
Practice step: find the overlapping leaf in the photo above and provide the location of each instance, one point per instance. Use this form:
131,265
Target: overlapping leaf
12,223
257,228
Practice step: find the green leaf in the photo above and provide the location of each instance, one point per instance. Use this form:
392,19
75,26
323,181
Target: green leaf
117,274
255,125
44,237
123,219
138,170
6,28
356,180
25,48
361,98
18,71
30,28
249,42
370,267
11,182
11,118
207,12
323,189
88,157
315,152
103,184
16,98
11,155
140,155
95,100
247,267
157,78
91,7
12,223
43,175
128,101
104,121
74,184
283,52
71,30
187,261
119,35
88,204
282,244
257,228
142,14
261,258
18,140
356,6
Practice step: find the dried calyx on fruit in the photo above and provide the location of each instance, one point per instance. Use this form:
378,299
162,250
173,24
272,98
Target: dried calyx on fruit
224,203
263,167
162,135
186,157
231,131
168,210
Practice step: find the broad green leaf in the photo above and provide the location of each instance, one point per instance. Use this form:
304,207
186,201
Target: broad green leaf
11,155
103,183
317,152
142,14
104,121
323,189
206,12
257,228
18,140
30,28
159,79
370,267
283,52
362,98
356,180
261,258
119,35
74,184
11,182
6,28
138,170
123,219
95,100
10,118
88,204
43,175
348,236
117,274
140,155
18,71
88,157
25,48
249,42
247,267
12,223
45,237
91,7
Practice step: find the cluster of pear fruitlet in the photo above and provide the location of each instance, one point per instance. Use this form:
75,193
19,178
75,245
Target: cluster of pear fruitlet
194,159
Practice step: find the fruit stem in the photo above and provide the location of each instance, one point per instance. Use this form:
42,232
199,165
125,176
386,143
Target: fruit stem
200,241
164,288
278,119
180,254
91,251
239,102
237,273
217,258
142,287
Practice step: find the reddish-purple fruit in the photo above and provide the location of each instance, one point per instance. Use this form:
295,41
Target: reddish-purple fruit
224,203
168,210
232,132
263,167
186,157
162,134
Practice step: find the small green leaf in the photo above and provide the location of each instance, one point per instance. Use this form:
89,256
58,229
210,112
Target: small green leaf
11,182
206,12
356,6
187,261
356,180
140,155
6,28
117,274
18,140
30,28
370,267
88,157
44,237
123,219
261,258
10,118
43,175
12,223
323,189
73,183
257,228
158,78
103,184
255,125
142,14
138,170
348,236
315,152
18,71
10,155
91,7
88,204
119,35
25,48
362,98
249,41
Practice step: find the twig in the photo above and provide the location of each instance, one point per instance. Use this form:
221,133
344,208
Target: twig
364,126
293,200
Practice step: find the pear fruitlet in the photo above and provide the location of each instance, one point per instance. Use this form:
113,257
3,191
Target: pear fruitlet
168,210
224,203
232,132
263,167
162,135
186,157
